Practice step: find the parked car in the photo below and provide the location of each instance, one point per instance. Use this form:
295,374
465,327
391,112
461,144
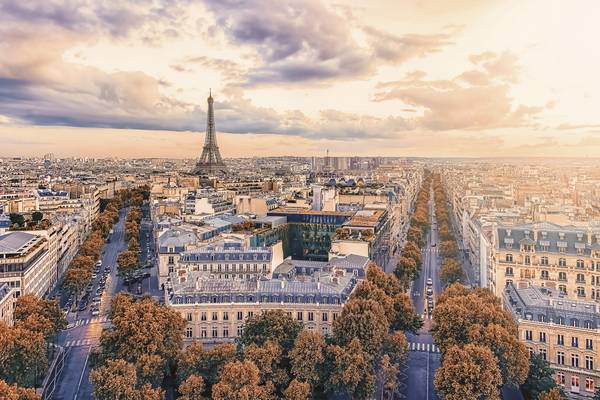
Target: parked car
96,299
82,306
429,291
94,275
429,282
95,311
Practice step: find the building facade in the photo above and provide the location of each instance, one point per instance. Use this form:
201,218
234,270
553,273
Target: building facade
564,332
564,258
8,297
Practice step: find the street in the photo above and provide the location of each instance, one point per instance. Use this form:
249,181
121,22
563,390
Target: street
424,356
84,330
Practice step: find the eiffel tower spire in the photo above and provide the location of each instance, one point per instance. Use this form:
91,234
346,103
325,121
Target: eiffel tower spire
210,161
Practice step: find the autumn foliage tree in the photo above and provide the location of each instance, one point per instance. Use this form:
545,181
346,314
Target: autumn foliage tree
39,315
14,392
468,373
240,380
22,355
205,363
451,272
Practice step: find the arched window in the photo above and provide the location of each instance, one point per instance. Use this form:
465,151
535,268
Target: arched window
580,264
509,271
509,258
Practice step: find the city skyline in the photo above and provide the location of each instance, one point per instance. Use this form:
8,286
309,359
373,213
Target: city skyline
477,80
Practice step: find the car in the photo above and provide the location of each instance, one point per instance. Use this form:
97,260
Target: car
99,291
434,244
97,299
94,275
99,264
95,312
429,291
82,306
429,282
107,268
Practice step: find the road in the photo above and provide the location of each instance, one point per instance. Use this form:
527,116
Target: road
424,356
84,330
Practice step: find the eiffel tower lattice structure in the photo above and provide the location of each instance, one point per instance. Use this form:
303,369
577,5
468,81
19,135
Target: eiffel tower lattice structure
210,162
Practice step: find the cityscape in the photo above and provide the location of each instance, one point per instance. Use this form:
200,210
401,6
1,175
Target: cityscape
299,200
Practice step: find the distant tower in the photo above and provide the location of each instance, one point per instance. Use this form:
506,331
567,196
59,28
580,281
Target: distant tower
210,161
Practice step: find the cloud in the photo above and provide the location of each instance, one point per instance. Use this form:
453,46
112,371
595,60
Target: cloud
475,99
309,42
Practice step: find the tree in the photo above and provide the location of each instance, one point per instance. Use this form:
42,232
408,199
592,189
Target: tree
468,373
92,246
76,279
362,319
297,390
552,394
127,262
451,272
22,355
195,360
46,312
84,262
271,325
150,369
307,357
405,317
406,271
240,380
142,327
17,219
388,283
37,216
13,392
389,376
268,358
133,245
351,370
117,380
395,346
192,388
415,235
449,249
512,355
539,379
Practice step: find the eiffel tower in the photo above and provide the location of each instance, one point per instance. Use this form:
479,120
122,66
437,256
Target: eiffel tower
210,161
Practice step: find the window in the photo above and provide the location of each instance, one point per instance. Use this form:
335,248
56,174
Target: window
311,316
203,316
544,354
589,362
509,258
574,341
250,314
299,316
580,291
215,332
240,315
527,260
580,278
334,316
544,260
189,317
544,274
562,276
226,332
562,289
560,340
188,332
560,358
589,344
574,360
203,332
560,378
324,316
580,264
543,337
509,271
171,260
562,262
225,316
215,316
589,384
528,335
574,383
239,330
325,330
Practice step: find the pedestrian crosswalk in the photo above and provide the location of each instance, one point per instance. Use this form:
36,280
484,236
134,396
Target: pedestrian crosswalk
79,342
426,347
87,321
430,250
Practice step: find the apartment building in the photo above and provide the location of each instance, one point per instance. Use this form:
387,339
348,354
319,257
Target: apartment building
27,263
215,309
8,297
563,331
563,258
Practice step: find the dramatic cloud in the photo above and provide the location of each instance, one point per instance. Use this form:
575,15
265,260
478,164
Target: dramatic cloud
306,41
476,99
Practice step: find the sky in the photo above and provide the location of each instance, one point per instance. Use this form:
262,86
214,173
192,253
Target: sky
466,78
